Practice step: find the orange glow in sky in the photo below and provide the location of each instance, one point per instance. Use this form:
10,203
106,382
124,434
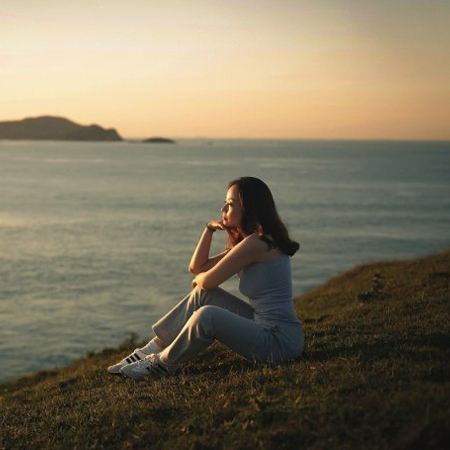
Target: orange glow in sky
290,69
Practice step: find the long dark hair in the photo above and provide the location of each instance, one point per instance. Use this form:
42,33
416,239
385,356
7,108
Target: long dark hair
260,215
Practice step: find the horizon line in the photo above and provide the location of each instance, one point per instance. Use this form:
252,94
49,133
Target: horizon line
346,139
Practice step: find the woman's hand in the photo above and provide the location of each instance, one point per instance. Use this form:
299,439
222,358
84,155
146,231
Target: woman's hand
219,225
215,225
198,280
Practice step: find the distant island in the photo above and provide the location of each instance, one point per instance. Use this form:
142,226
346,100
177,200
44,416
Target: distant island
159,140
55,128
61,129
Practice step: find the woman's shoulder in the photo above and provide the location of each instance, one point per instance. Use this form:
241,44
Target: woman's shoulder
254,241
251,243
260,248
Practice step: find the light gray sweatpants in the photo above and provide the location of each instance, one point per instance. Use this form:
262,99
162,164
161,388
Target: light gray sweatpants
205,315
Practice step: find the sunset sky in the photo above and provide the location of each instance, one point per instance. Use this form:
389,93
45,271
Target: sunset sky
226,68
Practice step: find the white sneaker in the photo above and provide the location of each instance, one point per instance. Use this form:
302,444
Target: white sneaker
137,355
149,366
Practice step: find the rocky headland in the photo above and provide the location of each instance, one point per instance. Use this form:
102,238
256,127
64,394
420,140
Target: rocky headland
55,128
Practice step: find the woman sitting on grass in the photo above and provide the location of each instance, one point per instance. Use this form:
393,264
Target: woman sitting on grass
266,330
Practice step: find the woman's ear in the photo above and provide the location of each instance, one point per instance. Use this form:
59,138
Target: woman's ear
259,230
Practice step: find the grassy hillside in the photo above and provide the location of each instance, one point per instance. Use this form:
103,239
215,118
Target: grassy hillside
375,374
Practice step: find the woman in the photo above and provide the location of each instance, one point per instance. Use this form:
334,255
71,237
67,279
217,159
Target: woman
258,248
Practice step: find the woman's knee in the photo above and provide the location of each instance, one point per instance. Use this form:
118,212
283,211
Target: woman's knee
206,317
202,321
205,313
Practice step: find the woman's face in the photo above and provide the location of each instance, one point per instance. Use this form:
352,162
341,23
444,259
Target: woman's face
232,209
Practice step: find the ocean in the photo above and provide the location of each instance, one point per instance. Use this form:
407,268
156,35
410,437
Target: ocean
95,238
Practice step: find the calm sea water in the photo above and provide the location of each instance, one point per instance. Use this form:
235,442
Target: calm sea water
95,238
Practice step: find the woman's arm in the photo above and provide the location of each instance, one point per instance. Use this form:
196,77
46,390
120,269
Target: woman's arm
200,261
246,252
